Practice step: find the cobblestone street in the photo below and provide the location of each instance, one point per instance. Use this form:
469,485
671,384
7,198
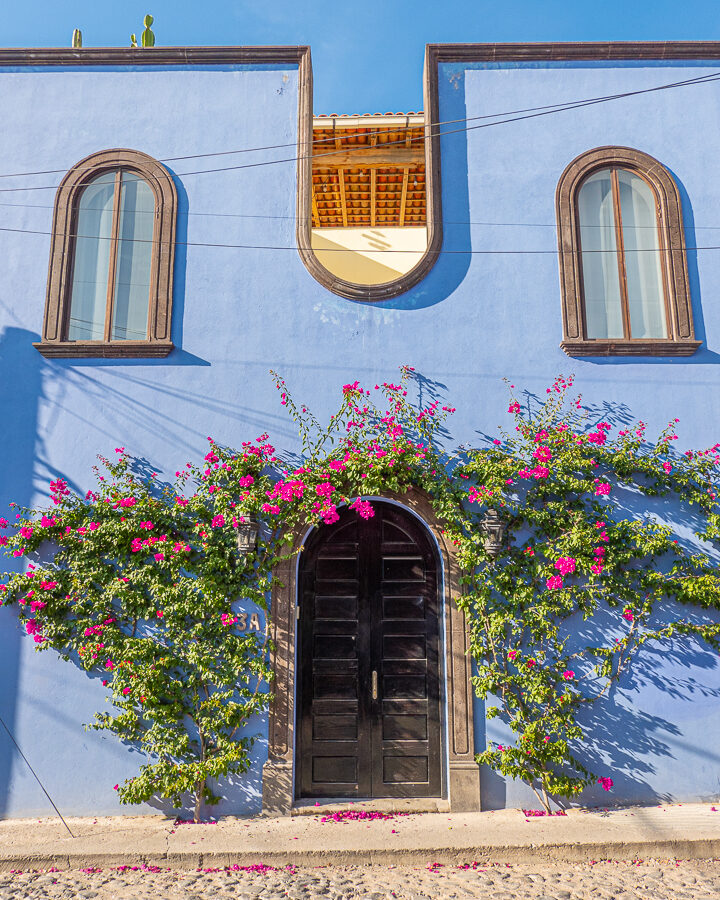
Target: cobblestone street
659,880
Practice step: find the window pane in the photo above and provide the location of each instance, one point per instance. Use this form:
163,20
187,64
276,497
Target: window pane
601,280
132,275
92,257
642,258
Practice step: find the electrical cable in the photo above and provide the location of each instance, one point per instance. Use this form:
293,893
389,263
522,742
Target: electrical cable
441,251
17,747
444,222
534,112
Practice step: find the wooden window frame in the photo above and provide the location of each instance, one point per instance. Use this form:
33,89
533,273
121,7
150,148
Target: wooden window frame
680,340
54,341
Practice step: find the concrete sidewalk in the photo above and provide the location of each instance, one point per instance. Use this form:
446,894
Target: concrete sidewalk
683,831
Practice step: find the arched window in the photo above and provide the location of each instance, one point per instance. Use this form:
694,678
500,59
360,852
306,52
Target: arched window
623,268
111,260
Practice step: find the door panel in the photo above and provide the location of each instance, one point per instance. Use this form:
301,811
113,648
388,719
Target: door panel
369,604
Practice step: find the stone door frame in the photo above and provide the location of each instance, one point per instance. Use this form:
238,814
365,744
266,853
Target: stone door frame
463,772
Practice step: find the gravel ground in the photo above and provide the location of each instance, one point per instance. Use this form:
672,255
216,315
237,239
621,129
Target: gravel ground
621,880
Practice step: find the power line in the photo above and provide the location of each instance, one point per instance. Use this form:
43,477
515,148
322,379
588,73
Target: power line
443,222
17,747
316,250
533,112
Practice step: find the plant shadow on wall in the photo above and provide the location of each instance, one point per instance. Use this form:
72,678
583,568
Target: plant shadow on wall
161,589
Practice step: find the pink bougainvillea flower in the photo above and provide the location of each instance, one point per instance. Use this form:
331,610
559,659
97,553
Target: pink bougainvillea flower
512,654
159,614
514,407
246,481
568,674
543,454
329,514
605,783
667,467
324,489
26,531
530,663
181,501
565,565
3,523
602,490
629,615
540,472
218,521
126,691
159,557
363,508
554,583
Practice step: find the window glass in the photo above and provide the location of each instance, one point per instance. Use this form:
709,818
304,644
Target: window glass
646,301
134,259
601,278
92,259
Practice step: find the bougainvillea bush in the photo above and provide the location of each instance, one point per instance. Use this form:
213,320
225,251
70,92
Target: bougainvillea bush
574,551
146,588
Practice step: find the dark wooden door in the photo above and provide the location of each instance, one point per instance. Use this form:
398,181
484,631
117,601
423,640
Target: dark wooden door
368,659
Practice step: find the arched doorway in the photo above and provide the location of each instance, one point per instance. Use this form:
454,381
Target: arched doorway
281,775
368,659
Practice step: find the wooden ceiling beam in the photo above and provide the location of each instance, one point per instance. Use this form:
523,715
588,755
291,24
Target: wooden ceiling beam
315,211
403,196
371,158
343,204
373,179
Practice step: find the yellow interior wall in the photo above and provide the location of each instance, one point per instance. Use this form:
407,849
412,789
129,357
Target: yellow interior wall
369,255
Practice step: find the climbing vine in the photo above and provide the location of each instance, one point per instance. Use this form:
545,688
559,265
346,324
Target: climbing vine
141,583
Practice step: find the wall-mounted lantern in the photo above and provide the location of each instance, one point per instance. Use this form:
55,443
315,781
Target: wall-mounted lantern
247,535
494,529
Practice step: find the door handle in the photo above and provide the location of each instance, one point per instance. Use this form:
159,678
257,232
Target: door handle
374,685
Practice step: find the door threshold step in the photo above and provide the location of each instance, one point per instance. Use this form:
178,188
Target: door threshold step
328,806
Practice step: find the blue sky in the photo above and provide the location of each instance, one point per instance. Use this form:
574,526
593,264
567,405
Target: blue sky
367,56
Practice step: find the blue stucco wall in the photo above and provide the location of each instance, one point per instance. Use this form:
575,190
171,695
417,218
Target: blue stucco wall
472,320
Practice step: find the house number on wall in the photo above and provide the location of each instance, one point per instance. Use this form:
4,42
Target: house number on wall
242,622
